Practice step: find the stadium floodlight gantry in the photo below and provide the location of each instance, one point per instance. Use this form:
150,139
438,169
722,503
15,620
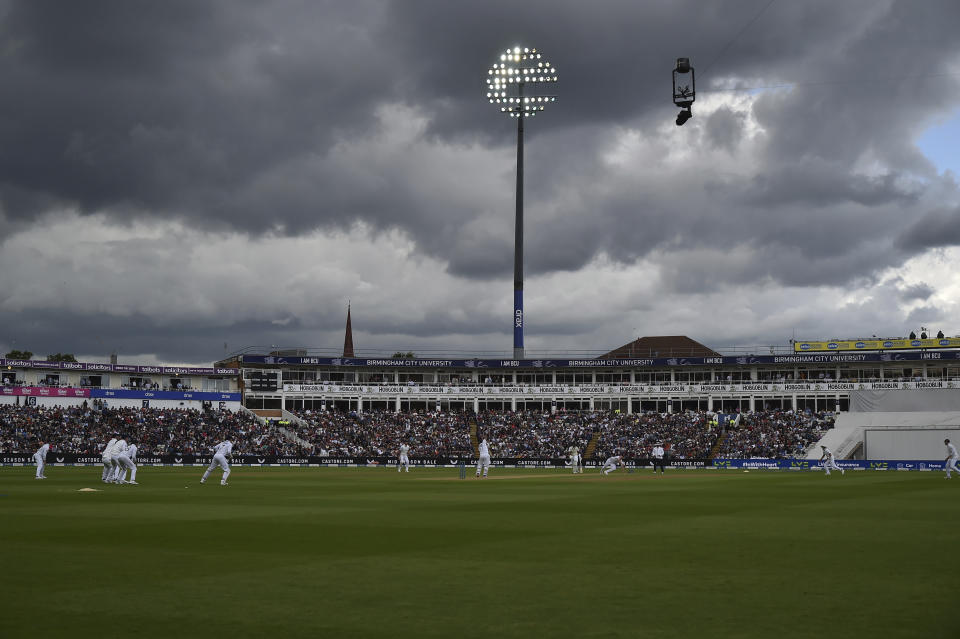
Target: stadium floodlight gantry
515,83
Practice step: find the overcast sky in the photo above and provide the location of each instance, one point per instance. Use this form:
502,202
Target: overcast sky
182,179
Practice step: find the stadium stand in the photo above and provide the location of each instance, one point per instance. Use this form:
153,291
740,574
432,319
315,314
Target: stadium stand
382,432
774,434
522,434
685,435
85,430
537,433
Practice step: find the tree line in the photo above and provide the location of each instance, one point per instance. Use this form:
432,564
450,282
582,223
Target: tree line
56,357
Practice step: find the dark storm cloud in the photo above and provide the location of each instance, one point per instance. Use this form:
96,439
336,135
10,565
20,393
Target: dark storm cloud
169,107
725,129
923,315
937,228
128,335
183,108
919,291
103,333
133,335
821,184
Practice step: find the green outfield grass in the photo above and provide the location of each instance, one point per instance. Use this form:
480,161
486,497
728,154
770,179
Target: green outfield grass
539,553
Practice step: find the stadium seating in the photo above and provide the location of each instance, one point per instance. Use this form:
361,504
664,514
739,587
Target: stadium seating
774,434
382,432
523,434
155,431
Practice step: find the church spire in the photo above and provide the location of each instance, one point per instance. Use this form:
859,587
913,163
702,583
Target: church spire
348,337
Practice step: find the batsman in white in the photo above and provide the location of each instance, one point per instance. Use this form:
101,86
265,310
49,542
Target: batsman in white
828,461
125,462
220,453
404,457
611,464
574,453
40,457
108,460
483,463
119,448
952,457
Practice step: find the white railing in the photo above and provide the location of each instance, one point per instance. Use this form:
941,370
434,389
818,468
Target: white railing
671,390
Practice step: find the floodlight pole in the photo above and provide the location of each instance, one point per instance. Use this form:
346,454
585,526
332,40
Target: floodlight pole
516,68
518,245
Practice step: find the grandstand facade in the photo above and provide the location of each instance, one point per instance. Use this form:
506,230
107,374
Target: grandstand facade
673,374
43,383
685,376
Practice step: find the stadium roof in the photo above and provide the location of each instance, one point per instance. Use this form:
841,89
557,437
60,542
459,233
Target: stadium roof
662,346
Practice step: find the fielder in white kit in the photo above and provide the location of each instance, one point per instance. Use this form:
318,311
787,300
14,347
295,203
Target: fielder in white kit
220,453
952,457
483,463
108,460
574,453
128,462
40,457
611,464
404,458
828,462
119,448
115,457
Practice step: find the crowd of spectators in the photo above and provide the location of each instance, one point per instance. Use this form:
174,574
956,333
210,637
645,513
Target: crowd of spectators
141,385
774,434
85,430
540,434
524,434
380,433
684,435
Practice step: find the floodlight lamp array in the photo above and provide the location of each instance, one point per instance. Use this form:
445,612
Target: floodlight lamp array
519,67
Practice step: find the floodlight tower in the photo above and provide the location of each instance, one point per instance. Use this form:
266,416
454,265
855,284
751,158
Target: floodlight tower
516,84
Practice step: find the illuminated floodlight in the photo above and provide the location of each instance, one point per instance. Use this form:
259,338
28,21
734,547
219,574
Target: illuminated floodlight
523,67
